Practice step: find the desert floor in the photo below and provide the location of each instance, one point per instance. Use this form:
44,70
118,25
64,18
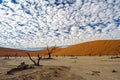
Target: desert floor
64,68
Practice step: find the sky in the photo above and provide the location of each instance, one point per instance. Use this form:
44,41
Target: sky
31,24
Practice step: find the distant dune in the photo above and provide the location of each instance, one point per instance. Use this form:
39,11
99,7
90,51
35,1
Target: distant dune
15,52
98,47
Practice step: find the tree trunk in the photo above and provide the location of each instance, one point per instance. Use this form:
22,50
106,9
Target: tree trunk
49,55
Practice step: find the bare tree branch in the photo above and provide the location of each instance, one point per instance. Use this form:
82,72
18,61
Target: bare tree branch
53,49
38,60
31,58
50,51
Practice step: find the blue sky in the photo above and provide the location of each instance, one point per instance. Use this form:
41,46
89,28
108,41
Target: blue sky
28,24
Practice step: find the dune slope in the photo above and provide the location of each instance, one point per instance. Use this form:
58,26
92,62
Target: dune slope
98,47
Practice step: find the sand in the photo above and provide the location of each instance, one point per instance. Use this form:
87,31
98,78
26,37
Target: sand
64,68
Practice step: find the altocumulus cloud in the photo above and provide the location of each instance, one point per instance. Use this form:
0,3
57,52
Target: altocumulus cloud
35,23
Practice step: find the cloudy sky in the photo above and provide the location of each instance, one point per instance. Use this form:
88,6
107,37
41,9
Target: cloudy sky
27,24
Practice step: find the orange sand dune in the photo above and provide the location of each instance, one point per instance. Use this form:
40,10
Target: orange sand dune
98,47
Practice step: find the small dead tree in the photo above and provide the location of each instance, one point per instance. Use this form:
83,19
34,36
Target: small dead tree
50,51
36,63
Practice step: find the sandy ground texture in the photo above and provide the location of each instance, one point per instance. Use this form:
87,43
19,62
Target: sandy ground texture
64,68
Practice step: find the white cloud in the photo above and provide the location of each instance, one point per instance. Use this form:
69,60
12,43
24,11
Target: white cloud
41,22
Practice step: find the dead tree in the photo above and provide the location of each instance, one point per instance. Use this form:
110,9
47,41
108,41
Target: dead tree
36,63
20,67
50,51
